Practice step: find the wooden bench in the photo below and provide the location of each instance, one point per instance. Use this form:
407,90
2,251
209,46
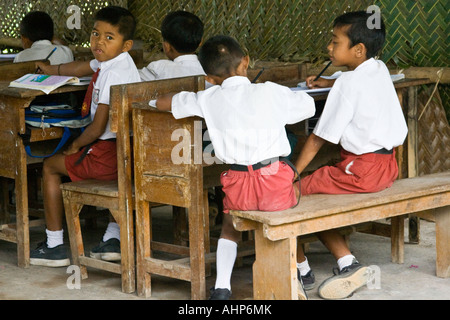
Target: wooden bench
275,271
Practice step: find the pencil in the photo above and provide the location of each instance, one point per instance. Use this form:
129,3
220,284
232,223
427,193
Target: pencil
48,57
258,75
324,69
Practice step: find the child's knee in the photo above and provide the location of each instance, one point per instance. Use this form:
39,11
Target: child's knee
228,230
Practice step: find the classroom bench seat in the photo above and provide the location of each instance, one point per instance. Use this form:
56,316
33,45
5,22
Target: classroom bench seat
275,271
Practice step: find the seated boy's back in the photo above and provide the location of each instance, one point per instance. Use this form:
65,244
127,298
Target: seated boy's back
36,31
182,34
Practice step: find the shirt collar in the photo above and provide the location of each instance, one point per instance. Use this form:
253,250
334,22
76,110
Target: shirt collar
105,64
235,81
365,63
186,57
41,43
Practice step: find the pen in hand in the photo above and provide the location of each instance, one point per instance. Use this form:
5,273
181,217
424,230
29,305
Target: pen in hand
324,69
46,59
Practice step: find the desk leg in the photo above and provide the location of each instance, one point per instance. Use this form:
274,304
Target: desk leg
22,222
275,268
442,216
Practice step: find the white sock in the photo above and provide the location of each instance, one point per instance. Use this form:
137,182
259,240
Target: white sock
54,238
345,261
112,231
225,258
303,267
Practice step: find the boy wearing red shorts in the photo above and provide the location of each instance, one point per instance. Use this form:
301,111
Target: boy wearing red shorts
93,154
363,114
246,125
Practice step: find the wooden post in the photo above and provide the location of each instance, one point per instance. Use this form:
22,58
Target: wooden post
275,267
442,216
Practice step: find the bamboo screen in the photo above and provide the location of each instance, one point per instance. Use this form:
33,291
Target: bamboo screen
295,30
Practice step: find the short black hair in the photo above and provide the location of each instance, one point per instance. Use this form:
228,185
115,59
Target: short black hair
120,17
183,30
37,25
359,31
220,55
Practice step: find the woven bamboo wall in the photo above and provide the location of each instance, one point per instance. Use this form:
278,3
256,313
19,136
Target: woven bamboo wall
12,12
286,30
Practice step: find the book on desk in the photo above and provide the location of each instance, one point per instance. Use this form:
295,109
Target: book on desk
45,83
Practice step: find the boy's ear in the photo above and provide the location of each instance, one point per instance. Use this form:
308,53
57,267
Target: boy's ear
127,45
360,50
243,66
26,42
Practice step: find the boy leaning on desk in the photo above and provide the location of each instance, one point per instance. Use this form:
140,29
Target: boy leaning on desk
93,154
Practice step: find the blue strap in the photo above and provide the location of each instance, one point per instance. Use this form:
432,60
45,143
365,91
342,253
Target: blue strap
64,138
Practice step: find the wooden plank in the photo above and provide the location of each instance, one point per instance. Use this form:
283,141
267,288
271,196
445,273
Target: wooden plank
100,264
351,217
329,205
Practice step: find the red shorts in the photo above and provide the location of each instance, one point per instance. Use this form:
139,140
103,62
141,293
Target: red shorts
370,172
100,162
267,189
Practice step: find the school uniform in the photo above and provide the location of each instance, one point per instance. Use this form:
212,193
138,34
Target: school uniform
101,160
363,114
246,124
182,66
40,49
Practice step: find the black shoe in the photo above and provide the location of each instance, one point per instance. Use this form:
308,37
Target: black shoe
220,294
108,250
49,257
308,280
345,282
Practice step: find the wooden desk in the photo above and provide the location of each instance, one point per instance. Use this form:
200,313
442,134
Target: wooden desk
13,158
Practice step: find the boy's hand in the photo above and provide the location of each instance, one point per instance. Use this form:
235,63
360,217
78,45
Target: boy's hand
44,67
320,83
71,150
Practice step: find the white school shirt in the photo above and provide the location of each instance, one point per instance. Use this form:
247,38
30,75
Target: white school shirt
182,66
362,111
39,50
119,70
246,122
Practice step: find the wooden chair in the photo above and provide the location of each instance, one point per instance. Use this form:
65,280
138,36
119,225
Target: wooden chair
117,196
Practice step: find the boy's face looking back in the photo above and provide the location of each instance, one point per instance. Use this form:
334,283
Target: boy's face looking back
107,42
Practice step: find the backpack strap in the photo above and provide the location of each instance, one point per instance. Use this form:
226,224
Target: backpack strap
64,138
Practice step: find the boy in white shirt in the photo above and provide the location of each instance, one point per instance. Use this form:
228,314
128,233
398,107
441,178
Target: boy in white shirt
182,34
93,154
246,124
36,33
363,114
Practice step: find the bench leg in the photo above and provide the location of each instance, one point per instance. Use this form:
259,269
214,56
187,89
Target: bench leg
143,251
397,239
442,216
275,268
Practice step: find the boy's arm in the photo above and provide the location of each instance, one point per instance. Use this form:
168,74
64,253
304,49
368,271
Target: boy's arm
74,68
309,151
92,131
164,102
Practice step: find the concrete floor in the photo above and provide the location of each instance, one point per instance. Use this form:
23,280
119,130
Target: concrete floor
415,279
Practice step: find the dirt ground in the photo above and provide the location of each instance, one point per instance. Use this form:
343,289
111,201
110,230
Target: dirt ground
415,279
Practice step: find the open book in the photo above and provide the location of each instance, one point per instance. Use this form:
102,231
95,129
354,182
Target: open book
42,82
